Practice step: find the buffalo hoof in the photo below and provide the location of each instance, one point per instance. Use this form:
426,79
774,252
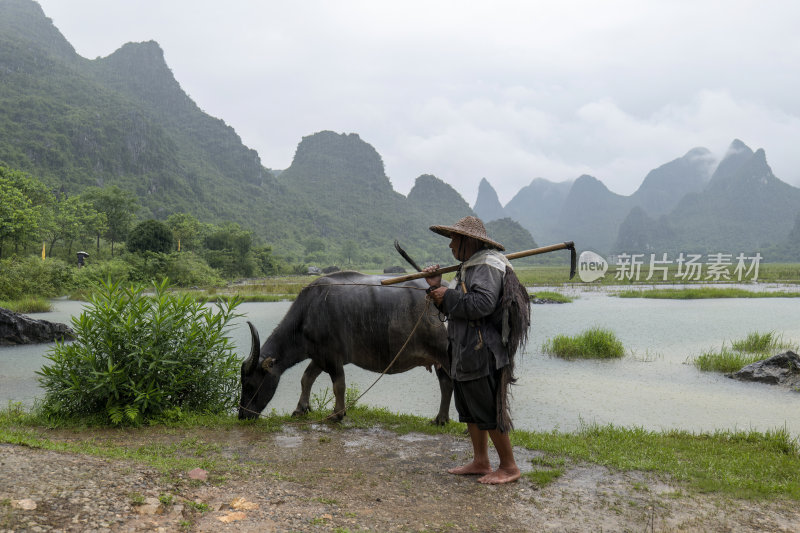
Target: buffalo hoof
335,417
300,411
440,420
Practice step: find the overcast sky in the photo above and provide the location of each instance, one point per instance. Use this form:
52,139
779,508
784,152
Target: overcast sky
509,91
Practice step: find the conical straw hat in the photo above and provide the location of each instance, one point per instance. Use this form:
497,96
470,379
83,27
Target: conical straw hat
470,227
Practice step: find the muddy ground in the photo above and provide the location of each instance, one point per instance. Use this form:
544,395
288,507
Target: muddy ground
344,480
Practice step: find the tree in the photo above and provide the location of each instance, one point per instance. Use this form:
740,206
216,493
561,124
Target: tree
119,207
187,229
349,249
229,250
23,202
151,236
70,219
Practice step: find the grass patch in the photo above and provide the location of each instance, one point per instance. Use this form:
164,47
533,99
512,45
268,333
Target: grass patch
28,304
725,360
699,293
746,464
762,343
542,478
755,347
594,343
554,296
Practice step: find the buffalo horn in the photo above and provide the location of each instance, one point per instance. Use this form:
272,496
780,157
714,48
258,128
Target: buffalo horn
252,360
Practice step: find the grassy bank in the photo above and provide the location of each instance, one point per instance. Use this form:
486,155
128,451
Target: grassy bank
697,293
29,304
741,464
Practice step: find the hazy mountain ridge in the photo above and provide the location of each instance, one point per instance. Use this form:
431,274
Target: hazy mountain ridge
124,119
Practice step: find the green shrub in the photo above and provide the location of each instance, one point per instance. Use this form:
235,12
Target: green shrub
150,236
137,356
94,273
31,276
594,343
187,269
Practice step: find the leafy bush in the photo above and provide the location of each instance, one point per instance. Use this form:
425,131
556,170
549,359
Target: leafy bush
594,343
150,236
94,273
33,277
137,356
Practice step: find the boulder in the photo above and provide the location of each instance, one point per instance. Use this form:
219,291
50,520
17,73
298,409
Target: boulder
21,329
782,369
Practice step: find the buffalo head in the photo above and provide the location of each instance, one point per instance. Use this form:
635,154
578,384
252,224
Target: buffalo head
260,378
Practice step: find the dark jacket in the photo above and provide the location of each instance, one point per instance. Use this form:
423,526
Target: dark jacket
473,329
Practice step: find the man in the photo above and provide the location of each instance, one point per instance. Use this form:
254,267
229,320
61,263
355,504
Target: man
481,357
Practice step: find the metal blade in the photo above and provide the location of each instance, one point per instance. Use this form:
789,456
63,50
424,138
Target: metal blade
406,256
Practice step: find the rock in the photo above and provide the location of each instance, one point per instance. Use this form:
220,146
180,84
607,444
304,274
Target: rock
26,504
16,328
232,517
331,269
199,474
782,369
394,270
240,504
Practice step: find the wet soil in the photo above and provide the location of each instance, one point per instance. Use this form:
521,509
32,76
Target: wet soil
329,478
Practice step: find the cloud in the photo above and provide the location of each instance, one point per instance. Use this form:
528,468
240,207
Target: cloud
508,91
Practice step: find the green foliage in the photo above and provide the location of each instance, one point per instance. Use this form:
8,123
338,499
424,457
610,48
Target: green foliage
33,277
118,206
94,273
137,356
594,343
23,202
228,249
150,236
189,231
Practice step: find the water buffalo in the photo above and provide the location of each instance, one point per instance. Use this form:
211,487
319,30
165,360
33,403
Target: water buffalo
347,317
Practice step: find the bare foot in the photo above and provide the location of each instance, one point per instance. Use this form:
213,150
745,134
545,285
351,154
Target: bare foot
472,468
501,475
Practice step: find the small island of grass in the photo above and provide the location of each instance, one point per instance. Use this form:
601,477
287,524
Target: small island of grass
594,343
755,347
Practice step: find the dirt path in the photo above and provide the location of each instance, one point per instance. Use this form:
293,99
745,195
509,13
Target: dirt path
324,479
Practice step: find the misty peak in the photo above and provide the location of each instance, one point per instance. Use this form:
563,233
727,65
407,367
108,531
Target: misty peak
487,205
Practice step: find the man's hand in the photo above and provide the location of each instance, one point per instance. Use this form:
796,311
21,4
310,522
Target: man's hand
436,291
434,281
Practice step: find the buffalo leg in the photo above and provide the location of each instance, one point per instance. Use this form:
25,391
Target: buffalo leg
446,387
309,376
339,388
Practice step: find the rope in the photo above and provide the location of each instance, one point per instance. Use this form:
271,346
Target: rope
353,402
